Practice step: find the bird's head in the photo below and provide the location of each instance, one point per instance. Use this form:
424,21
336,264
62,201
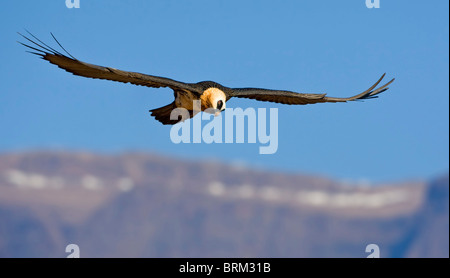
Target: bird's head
213,101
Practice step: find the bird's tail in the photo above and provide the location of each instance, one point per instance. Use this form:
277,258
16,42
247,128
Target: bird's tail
162,114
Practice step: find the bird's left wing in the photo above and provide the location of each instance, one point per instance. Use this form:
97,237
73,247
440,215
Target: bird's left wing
77,67
288,97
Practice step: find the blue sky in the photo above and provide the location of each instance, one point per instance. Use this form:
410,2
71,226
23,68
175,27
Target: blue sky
334,47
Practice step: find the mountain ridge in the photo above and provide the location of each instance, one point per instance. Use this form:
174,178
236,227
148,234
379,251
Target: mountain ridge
111,204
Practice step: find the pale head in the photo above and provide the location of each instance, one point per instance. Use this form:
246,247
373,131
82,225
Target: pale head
213,98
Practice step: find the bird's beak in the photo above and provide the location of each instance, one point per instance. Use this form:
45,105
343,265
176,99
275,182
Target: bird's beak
217,113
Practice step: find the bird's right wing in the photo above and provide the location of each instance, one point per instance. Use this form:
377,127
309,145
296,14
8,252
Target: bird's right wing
77,67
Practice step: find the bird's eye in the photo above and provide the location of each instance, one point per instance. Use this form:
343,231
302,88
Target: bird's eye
219,105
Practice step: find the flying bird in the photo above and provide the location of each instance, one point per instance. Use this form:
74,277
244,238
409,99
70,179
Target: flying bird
212,95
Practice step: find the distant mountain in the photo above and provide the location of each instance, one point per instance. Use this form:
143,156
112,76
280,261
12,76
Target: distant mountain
143,205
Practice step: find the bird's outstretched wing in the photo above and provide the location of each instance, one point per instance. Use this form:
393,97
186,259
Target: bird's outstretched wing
77,67
288,97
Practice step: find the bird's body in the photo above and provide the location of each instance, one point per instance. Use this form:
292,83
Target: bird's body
211,95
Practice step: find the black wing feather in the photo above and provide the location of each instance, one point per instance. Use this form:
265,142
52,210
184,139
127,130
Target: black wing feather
77,67
288,97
